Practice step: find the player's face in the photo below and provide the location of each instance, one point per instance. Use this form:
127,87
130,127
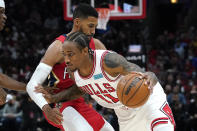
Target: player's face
2,18
72,55
88,26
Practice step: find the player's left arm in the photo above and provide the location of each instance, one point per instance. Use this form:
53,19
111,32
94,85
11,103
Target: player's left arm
9,83
68,94
99,45
115,64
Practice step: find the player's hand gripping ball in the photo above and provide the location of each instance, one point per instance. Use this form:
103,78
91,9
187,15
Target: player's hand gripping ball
132,90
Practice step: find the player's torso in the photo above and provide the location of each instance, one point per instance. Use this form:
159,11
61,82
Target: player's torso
99,84
59,77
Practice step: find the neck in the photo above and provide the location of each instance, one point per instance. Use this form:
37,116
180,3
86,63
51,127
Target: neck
74,29
87,67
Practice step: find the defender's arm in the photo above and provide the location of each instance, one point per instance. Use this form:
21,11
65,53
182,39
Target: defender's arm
51,57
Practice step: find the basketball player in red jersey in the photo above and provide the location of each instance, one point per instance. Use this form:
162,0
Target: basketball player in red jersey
98,73
5,81
73,115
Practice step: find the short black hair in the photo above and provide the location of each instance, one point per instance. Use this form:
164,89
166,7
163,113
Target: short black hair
81,40
84,10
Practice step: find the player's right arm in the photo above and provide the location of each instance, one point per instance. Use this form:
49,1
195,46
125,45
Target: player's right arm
52,56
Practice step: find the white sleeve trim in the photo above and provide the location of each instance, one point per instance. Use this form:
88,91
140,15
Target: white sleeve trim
39,76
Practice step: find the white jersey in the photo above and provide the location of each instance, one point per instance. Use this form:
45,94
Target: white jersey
100,85
102,88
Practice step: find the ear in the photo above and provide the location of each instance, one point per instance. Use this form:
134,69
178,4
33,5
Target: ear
85,51
77,22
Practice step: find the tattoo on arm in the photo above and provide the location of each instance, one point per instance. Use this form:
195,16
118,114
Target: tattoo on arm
113,60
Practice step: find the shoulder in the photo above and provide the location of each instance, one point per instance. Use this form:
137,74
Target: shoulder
112,63
56,45
99,44
53,54
112,59
55,48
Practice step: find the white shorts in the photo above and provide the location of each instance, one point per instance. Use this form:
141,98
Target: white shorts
153,113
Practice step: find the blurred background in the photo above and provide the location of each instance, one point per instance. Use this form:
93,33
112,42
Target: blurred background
158,35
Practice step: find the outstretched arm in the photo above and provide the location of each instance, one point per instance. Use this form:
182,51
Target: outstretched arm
9,83
115,64
70,93
52,56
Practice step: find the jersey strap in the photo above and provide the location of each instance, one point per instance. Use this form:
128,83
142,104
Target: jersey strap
61,38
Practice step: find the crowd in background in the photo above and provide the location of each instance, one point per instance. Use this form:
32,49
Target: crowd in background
33,25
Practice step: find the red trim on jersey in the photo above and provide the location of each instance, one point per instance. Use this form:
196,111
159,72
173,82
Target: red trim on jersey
161,120
92,44
61,38
105,75
93,69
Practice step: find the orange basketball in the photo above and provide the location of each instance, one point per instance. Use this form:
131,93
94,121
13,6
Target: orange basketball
132,90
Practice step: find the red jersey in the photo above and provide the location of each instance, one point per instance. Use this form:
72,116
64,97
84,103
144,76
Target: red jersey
59,76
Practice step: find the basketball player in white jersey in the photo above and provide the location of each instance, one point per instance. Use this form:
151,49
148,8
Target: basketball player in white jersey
6,81
98,74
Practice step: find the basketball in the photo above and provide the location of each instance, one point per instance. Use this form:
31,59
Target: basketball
132,90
